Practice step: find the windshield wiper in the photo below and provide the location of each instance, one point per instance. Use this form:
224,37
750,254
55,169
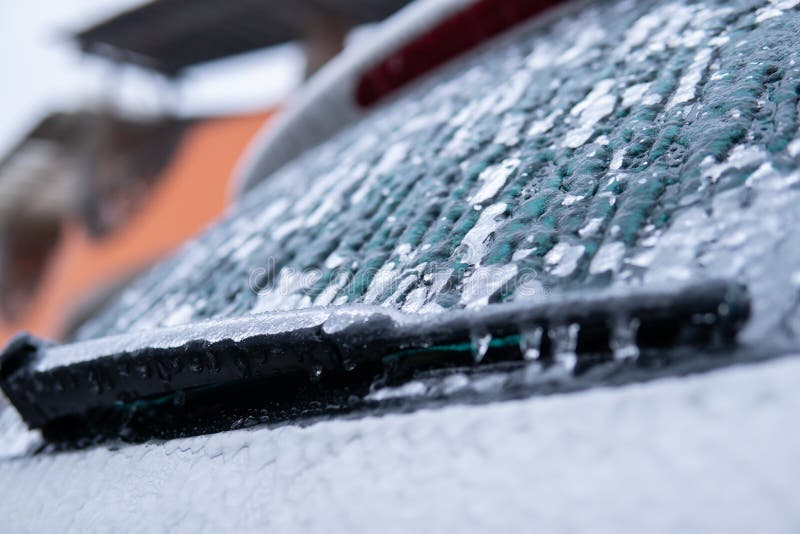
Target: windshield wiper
72,388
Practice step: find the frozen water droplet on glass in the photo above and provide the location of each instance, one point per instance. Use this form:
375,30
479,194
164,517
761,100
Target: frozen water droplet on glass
213,362
530,342
480,342
623,338
94,382
315,373
143,370
195,364
565,343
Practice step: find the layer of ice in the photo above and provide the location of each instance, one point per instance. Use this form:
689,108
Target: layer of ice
716,452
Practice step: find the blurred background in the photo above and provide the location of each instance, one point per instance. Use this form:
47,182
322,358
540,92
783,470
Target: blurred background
122,123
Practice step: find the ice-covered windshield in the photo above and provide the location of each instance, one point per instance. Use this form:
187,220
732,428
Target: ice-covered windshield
621,143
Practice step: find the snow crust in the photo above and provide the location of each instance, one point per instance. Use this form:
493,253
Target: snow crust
709,453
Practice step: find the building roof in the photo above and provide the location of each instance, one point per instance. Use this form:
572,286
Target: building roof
170,35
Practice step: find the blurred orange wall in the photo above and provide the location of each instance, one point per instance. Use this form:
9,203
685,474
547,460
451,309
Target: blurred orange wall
192,191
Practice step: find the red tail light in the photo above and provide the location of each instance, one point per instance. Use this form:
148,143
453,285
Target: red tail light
464,30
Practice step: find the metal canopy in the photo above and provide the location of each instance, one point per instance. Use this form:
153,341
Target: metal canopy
170,35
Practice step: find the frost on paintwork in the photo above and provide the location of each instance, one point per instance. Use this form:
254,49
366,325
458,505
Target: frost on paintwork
623,143
697,451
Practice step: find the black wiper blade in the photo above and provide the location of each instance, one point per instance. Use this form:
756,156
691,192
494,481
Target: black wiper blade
49,384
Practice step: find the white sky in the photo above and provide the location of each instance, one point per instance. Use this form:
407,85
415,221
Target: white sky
42,71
